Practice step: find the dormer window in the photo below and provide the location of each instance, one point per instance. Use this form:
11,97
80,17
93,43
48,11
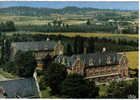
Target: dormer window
91,63
108,60
46,47
63,61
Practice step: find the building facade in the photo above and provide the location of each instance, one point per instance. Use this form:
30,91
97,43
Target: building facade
39,48
98,67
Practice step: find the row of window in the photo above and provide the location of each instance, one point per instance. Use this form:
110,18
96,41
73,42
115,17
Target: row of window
101,71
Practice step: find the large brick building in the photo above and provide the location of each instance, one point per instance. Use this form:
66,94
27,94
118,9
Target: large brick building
102,66
39,48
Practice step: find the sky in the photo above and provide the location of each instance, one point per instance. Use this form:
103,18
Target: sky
57,4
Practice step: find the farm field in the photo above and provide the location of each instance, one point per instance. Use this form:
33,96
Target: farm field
95,34
133,59
78,34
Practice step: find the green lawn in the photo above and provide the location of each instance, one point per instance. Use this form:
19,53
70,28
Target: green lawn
133,59
6,74
46,94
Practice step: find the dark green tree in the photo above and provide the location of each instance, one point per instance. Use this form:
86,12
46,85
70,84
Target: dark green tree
11,67
132,89
54,23
10,26
116,90
69,50
122,89
59,23
75,86
47,61
2,27
5,49
88,22
56,73
26,64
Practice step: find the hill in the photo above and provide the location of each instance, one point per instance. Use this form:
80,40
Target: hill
30,11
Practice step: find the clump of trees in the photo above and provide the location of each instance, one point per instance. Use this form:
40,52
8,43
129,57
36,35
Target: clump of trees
47,61
56,74
53,77
7,26
75,86
59,26
122,89
23,65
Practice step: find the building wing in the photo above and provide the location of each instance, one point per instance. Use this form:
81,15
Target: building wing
35,45
97,59
24,88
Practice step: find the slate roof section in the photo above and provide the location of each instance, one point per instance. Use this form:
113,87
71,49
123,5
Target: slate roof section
99,59
24,88
35,45
119,56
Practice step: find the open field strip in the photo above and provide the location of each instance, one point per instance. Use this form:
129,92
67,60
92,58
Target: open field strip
133,59
94,34
34,22
78,34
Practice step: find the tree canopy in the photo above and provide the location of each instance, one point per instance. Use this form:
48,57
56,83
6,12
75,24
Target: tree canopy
56,73
75,86
26,64
122,89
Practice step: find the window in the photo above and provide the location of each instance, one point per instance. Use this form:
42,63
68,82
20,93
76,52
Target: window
91,62
63,61
108,60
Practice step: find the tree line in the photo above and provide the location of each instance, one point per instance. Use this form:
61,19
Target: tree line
7,26
88,27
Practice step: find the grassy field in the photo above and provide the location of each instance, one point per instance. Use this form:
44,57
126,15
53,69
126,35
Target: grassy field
94,34
6,74
79,34
46,93
133,59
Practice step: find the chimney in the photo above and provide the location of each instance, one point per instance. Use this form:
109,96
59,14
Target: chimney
85,50
124,53
104,50
48,39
